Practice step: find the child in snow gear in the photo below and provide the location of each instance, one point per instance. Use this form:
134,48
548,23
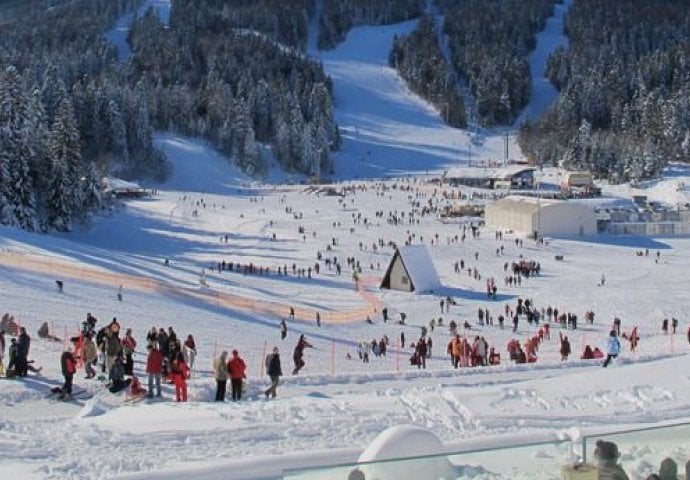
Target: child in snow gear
237,370
117,376
69,365
44,332
274,372
180,374
613,347
136,391
220,369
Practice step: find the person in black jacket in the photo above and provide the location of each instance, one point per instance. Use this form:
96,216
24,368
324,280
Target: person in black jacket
274,372
117,376
23,345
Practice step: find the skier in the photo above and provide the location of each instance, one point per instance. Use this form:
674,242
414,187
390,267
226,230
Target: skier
283,329
237,370
69,365
299,353
402,339
613,347
119,293
318,319
220,368
274,372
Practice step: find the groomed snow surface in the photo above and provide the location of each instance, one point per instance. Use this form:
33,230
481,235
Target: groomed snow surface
337,405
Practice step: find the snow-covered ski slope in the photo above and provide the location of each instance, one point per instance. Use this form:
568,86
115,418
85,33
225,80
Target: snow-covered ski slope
543,93
387,129
336,405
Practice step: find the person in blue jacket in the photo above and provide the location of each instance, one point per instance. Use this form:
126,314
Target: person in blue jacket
613,347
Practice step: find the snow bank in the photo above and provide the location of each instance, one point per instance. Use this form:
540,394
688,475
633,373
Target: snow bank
93,408
403,441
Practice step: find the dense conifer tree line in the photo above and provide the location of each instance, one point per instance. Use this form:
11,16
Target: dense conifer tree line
58,97
490,41
624,105
73,112
419,60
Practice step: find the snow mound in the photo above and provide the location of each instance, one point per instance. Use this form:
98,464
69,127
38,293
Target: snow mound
403,441
93,408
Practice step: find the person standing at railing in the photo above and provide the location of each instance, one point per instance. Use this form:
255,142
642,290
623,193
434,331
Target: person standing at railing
607,455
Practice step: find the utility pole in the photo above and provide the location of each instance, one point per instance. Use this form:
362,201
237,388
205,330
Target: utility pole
505,153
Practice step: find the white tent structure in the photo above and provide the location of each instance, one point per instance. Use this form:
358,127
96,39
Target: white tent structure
545,216
411,270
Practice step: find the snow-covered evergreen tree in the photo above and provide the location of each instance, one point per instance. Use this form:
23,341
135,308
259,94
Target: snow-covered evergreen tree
65,153
15,147
117,134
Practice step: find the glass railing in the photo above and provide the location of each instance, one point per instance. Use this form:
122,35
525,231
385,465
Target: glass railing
642,451
539,461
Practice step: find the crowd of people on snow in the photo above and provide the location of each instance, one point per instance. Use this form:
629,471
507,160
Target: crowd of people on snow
168,357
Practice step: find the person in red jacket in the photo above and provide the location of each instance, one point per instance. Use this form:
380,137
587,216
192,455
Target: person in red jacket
179,375
154,369
236,369
69,366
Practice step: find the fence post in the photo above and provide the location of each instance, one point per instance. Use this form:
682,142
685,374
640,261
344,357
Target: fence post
673,349
215,351
261,360
582,347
